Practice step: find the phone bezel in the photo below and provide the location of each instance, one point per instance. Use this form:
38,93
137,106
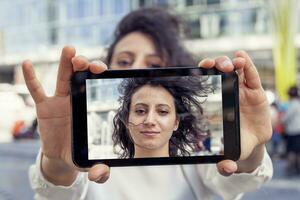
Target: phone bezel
230,104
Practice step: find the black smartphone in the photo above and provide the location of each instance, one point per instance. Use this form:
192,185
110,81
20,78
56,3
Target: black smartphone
176,115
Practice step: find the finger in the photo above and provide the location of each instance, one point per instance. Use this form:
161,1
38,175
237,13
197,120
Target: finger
97,67
99,173
80,63
35,88
250,72
207,63
227,167
65,71
224,64
239,64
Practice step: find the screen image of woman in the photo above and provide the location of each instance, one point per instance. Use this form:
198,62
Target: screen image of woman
157,117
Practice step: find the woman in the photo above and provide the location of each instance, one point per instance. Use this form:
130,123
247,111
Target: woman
55,177
160,117
291,121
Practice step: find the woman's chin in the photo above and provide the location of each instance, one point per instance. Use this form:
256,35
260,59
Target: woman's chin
151,149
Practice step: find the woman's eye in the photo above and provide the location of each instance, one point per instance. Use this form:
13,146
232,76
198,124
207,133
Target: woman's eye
124,63
140,111
154,66
163,112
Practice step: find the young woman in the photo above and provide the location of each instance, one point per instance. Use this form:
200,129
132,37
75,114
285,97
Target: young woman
147,38
160,117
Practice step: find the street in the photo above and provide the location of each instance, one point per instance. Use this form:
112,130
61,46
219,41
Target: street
17,156
280,187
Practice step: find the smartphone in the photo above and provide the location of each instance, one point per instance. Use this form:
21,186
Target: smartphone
176,115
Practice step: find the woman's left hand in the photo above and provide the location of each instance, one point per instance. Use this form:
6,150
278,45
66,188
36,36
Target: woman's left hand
255,118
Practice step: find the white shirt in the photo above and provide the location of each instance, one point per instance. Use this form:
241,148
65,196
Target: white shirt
170,182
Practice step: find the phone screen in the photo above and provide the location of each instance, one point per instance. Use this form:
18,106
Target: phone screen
154,117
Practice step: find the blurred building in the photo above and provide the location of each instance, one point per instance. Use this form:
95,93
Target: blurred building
38,29
220,27
30,25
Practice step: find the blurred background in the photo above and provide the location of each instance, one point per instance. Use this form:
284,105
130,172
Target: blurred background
38,29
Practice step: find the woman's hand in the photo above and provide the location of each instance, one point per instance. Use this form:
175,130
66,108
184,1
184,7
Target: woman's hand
255,119
54,120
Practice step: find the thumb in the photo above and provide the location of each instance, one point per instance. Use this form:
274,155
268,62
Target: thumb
99,173
227,167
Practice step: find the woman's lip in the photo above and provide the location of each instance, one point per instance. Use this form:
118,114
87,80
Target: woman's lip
150,132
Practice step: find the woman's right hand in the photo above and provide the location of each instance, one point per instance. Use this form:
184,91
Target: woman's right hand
54,119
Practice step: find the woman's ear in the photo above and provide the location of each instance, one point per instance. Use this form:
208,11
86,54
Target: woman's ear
176,125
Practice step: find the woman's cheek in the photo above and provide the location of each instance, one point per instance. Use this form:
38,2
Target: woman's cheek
167,123
135,120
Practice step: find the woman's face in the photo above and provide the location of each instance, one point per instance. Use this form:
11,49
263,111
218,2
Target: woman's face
152,120
136,50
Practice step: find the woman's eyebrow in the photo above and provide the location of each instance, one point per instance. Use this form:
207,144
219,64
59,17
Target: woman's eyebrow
163,105
157,105
154,55
124,52
140,104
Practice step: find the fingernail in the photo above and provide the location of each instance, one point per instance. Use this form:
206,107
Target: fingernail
226,63
227,170
98,63
98,179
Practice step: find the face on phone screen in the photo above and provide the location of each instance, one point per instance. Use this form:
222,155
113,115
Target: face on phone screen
154,117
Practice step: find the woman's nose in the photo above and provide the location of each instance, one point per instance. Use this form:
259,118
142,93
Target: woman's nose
150,118
139,64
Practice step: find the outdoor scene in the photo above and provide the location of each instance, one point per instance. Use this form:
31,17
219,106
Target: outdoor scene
268,30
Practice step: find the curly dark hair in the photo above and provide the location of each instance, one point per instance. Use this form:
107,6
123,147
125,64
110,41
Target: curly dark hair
192,124
164,30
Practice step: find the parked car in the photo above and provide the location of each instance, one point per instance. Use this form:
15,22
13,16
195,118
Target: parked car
14,107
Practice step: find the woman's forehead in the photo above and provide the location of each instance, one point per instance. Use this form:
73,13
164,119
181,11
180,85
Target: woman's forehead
152,93
136,42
